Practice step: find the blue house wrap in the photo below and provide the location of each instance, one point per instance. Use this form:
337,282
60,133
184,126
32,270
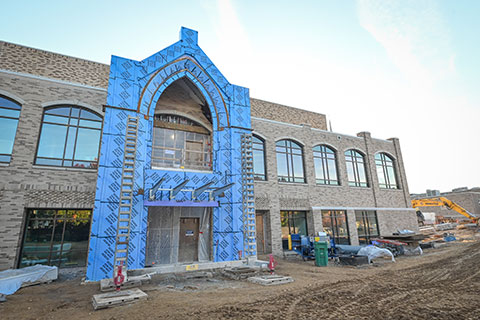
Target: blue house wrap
133,90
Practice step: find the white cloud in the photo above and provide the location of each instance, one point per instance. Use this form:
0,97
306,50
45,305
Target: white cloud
414,35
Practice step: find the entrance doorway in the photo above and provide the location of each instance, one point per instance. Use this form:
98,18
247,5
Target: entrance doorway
188,240
178,234
260,236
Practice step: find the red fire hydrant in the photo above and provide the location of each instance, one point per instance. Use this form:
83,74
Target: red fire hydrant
119,277
272,264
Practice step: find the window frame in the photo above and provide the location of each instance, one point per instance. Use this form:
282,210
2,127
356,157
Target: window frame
384,165
362,218
19,109
332,216
57,220
325,166
257,176
68,125
289,155
179,123
353,158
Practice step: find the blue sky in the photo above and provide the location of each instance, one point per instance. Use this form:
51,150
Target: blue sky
401,68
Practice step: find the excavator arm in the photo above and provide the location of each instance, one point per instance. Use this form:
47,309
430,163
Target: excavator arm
442,201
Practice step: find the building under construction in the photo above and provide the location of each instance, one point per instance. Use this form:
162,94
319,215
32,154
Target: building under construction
163,162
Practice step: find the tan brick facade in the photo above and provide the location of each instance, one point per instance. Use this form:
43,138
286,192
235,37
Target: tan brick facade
38,78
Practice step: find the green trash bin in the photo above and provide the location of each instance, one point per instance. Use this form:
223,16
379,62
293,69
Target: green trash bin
321,253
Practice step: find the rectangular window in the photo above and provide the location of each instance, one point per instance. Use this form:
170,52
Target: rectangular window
367,226
180,149
335,224
56,238
292,222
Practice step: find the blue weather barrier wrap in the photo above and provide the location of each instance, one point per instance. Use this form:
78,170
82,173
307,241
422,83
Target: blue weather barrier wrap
133,90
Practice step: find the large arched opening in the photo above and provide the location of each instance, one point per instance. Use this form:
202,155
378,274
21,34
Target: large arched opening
182,128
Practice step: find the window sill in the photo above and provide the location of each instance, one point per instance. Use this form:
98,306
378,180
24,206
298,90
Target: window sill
329,185
4,164
293,183
366,188
260,181
36,166
181,170
389,189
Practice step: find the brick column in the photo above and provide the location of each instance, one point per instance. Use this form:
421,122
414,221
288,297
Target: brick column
352,228
275,225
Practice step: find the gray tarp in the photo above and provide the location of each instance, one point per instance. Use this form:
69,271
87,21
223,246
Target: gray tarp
11,280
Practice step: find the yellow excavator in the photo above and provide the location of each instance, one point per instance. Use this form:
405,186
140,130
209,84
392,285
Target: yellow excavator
443,202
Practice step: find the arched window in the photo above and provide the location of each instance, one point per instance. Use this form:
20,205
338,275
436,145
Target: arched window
258,147
355,169
325,165
290,161
182,128
385,171
70,137
9,115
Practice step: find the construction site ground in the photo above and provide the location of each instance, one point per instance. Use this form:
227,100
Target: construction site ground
444,283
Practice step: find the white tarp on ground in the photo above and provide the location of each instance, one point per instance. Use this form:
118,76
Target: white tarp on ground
373,252
11,280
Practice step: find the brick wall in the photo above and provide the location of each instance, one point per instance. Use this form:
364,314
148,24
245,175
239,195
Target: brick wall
25,185
277,112
275,196
42,63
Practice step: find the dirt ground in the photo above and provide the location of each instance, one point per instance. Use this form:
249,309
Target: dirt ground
444,283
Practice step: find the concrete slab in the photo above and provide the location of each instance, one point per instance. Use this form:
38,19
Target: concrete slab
135,281
112,299
179,268
270,280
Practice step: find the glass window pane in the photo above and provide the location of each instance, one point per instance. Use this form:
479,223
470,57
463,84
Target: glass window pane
361,173
87,144
258,162
52,141
75,112
5,102
90,124
350,172
282,164
318,168
391,176
298,166
7,137
55,119
9,113
332,170
89,115
49,162
72,134
62,111
381,175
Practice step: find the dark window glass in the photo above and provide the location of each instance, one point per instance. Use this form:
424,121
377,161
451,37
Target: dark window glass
367,226
290,162
325,165
9,115
292,222
385,171
355,169
56,238
70,137
335,224
258,147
